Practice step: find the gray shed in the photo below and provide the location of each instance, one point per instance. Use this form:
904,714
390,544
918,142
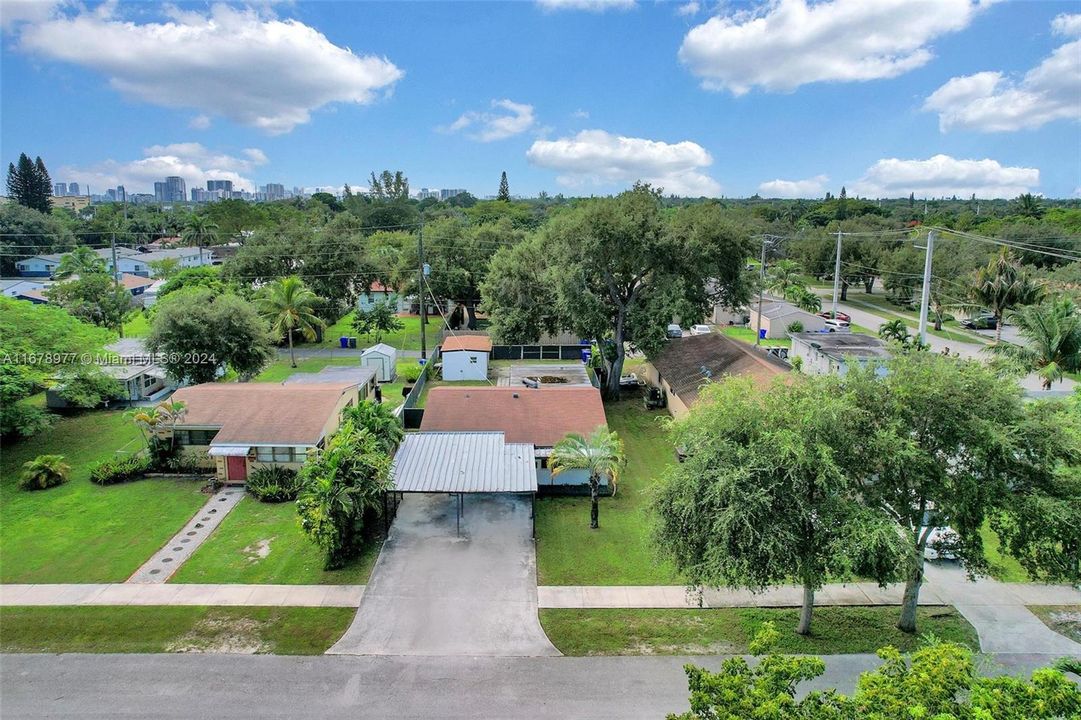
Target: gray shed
383,359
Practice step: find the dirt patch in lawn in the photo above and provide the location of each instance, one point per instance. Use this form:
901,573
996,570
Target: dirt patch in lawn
1063,619
258,551
222,634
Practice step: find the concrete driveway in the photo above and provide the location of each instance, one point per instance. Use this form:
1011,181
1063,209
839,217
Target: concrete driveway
433,592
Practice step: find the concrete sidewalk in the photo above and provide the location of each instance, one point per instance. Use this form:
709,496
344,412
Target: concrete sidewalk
183,594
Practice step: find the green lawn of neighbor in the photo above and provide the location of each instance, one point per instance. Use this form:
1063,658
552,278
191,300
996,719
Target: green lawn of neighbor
263,543
1003,567
1063,619
408,338
137,326
281,368
619,553
150,629
747,335
834,630
951,329
79,532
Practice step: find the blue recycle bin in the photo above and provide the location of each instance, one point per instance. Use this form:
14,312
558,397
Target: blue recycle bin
343,341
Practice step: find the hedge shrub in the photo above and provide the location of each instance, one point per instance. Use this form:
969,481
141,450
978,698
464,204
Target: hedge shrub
119,469
273,484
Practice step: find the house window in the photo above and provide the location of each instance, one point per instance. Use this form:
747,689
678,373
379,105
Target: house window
147,381
473,360
264,454
194,437
281,454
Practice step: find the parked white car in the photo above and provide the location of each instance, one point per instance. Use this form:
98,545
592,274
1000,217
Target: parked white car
700,330
940,536
835,325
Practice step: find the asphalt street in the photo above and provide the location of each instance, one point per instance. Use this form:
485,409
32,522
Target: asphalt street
326,687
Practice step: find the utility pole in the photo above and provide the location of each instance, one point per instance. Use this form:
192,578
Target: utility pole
837,275
925,294
116,276
761,291
420,292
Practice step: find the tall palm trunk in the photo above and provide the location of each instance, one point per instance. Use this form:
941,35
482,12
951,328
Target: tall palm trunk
292,356
595,506
998,327
806,610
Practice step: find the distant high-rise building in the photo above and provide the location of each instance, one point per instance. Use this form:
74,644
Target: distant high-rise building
447,193
60,189
226,186
175,189
198,195
73,188
121,194
110,195
275,191
159,191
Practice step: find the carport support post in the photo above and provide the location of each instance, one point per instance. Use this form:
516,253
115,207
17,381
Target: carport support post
458,528
533,513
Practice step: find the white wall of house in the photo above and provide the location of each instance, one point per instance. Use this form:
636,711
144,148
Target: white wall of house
817,362
465,365
36,267
777,327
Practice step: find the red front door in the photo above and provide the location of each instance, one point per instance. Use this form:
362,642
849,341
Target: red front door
236,469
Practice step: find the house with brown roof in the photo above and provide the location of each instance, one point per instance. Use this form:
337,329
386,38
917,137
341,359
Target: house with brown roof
465,357
539,416
239,427
686,364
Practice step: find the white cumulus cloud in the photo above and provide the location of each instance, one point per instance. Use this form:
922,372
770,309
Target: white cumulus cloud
258,71
506,119
788,43
15,12
991,102
596,157
809,188
589,5
191,161
944,176
688,9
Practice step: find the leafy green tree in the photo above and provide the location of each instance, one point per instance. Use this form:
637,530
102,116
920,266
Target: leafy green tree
95,298
206,276
43,472
504,188
289,306
28,183
25,232
167,268
199,231
389,186
87,386
379,420
804,299
769,491
895,330
340,485
784,276
380,319
601,454
949,439
1028,205
521,301
1002,285
1052,334
81,261
200,334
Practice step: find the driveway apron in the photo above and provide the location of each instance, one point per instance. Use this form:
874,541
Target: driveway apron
435,592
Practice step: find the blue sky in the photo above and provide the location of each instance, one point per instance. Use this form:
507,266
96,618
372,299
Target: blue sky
574,96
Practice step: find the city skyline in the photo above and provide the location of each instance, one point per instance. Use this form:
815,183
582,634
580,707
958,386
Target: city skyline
781,99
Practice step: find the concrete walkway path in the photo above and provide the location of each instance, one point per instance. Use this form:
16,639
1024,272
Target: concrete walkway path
433,592
178,594
162,564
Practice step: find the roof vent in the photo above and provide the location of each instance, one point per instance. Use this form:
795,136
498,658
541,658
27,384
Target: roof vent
514,395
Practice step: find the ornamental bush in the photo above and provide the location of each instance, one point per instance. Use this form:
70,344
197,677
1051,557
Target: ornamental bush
119,469
274,484
44,472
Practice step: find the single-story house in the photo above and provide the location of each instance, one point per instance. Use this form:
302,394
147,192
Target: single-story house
823,353
150,295
383,359
540,417
362,377
723,315
236,428
135,284
686,364
142,383
45,265
777,316
139,263
465,357
18,287
379,294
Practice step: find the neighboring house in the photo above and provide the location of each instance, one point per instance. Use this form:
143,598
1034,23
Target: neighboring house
724,315
824,353
362,377
540,417
45,265
144,381
236,428
777,316
128,260
17,287
135,284
465,357
684,365
150,295
379,294
383,359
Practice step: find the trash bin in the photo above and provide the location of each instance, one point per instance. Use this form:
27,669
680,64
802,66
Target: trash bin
352,342
586,355
762,334
344,341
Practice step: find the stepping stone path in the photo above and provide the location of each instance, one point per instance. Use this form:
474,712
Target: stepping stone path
161,566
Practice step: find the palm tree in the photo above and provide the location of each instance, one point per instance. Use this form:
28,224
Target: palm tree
199,231
288,305
1028,205
1002,285
1052,333
379,420
81,261
148,420
601,454
783,277
44,471
894,330
804,299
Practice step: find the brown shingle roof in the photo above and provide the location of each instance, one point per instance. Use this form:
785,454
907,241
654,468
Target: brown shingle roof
476,343
688,363
541,416
131,282
262,413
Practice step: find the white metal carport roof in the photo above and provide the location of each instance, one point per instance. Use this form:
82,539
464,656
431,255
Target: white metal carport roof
463,462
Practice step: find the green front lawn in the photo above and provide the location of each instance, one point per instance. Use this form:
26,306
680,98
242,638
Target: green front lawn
834,630
1003,567
619,553
281,368
149,629
748,334
79,532
262,543
408,338
951,329
137,326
